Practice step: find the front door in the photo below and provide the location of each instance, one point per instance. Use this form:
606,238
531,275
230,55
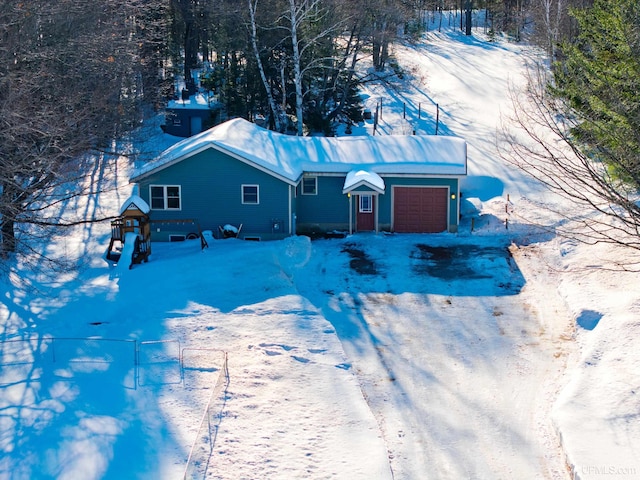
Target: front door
365,219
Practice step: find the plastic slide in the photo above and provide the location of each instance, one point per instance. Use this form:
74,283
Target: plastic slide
126,258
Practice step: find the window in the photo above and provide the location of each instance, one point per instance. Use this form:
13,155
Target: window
250,194
165,197
366,204
309,185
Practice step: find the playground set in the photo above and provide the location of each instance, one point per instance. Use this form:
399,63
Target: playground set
130,242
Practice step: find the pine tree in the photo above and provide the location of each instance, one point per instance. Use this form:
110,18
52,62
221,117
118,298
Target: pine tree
599,77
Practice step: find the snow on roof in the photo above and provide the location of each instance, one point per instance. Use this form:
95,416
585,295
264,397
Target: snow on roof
136,202
288,156
197,101
357,178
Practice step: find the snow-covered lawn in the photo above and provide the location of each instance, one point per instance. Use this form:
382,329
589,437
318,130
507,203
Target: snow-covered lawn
488,354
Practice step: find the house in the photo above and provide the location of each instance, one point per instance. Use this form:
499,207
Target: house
272,185
190,115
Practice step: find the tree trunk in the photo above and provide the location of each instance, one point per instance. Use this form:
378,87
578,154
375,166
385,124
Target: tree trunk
380,46
7,236
267,86
190,55
468,18
297,72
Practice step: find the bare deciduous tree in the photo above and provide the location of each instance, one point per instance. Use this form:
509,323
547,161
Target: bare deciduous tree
71,82
275,111
600,206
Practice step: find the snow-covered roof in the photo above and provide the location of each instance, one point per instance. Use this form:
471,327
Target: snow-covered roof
134,201
287,157
197,101
358,178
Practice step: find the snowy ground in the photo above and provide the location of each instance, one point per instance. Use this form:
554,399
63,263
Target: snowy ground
489,354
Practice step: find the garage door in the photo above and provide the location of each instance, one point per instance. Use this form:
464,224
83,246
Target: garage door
420,209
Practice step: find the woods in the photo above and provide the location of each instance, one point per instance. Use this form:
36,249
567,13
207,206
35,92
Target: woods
591,102
74,76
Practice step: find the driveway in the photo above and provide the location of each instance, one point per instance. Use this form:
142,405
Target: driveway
453,350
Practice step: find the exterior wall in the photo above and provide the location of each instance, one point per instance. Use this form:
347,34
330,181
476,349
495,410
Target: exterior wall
329,209
326,211
178,120
211,193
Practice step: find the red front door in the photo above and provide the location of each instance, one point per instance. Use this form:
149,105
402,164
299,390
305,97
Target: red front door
365,218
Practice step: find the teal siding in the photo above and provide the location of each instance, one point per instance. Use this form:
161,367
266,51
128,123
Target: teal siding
326,211
211,193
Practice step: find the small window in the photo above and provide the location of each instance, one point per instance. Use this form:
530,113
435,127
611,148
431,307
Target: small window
366,204
165,197
309,185
250,194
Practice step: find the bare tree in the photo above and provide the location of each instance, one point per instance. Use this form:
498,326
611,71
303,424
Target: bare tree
301,14
275,111
600,206
297,14
71,81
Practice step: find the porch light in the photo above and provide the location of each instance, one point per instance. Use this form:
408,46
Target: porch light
453,196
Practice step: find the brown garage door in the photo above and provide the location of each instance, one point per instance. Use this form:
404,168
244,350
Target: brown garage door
420,209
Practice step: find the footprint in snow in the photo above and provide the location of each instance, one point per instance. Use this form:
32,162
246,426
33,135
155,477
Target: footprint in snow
317,350
300,359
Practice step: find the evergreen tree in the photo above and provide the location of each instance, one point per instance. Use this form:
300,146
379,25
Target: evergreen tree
583,127
599,77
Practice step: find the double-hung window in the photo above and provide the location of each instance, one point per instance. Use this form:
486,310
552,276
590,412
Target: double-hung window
165,197
309,185
250,194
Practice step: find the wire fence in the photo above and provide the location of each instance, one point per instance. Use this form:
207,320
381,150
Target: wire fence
200,455
154,362
29,358
159,362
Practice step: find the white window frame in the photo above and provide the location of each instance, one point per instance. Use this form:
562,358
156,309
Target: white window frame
165,197
243,193
315,186
365,208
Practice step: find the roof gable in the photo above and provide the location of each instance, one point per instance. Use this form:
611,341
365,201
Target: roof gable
134,202
363,178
